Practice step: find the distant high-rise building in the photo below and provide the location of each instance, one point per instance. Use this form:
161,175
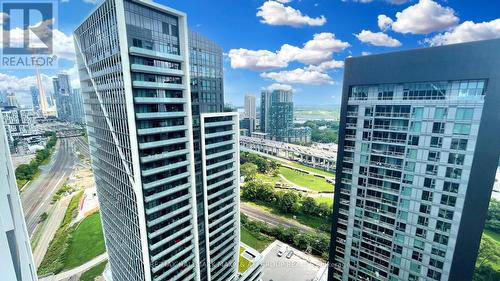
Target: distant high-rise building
276,118
62,95
10,100
35,98
250,107
171,195
15,250
77,112
418,151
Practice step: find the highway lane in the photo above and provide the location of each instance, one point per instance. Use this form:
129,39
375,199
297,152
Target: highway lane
36,197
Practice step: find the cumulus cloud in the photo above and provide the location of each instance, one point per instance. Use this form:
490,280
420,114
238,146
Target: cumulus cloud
255,60
315,51
278,86
424,17
324,66
384,22
299,76
466,32
284,1
398,2
275,13
377,39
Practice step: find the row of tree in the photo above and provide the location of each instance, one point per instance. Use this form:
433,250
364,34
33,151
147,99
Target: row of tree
323,131
290,202
264,165
26,172
314,243
493,216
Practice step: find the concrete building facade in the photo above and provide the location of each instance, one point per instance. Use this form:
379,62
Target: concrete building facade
417,157
15,249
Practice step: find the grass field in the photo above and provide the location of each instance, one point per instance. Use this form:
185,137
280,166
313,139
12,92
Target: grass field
312,222
492,234
95,271
306,180
310,169
87,242
243,263
327,200
268,178
257,241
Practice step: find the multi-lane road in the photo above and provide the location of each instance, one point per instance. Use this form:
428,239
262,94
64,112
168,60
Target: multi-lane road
37,196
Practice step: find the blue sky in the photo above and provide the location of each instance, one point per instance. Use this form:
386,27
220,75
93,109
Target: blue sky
299,44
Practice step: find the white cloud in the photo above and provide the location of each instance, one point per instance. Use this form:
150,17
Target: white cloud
324,66
284,1
255,60
275,13
278,86
466,32
315,51
3,16
364,53
398,2
299,76
424,17
384,22
377,39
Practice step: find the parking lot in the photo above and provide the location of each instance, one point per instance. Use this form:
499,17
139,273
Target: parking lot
299,267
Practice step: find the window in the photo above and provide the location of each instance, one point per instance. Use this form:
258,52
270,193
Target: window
413,140
443,226
422,233
427,195
423,221
431,169
445,214
450,187
415,267
416,256
458,144
461,129
448,200
417,113
416,127
424,208
436,142
429,183
440,113
453,173
441,238
411,153
433,156
455,158
417,244
464,113
434,274
438,252
410,166
438,128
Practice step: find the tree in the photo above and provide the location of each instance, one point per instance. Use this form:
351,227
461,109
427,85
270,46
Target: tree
249,171
325,210
493,216
309,206
485,273
489,252
288,202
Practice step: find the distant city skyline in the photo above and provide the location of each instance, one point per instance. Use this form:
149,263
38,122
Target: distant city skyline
292,31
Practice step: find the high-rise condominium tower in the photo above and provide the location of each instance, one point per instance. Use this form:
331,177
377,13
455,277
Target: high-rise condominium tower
250,110
166,173
62,94
15,249
417,157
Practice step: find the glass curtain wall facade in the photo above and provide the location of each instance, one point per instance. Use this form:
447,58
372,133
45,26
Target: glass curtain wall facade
416,164
62,93
132,57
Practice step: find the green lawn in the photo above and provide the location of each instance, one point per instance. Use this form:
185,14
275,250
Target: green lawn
311,169
243,263
492,234
268,178
257,241
95,271
306,180
87,242
327,200
312,222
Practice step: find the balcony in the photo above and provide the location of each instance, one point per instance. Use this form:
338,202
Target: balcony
159,130
392,114
218,124
389,140
155,70
219,134
160,115
156,100
167,192
157,170
154,54
165,180
157,85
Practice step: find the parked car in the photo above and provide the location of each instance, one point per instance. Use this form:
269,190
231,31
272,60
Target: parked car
289,255
280,252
